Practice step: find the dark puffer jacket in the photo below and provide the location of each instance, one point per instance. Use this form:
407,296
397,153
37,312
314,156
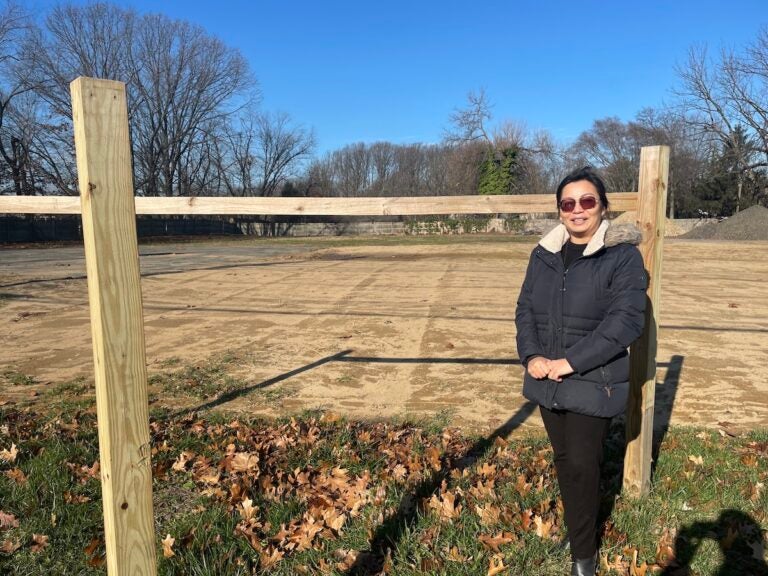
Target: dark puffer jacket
588,314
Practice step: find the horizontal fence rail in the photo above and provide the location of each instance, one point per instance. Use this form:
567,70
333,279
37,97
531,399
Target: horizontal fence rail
372,206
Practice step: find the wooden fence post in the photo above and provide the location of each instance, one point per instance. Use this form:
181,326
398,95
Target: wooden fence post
651,204
100,114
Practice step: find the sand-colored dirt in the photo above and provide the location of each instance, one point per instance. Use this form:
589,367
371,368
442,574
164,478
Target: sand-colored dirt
374,331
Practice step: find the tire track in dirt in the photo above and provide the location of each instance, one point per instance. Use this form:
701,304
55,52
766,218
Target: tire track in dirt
425,392
483,385
367,389
218,328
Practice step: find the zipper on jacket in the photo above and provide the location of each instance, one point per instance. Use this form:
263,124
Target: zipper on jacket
606,387
562,314
562,304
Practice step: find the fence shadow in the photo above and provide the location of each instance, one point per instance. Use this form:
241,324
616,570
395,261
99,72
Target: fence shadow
342,356
226,397
666,392
740,539
389,533
402,360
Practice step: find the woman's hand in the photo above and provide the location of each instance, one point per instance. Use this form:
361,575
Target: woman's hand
539,367
558,368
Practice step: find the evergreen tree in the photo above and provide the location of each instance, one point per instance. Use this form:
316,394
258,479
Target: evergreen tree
498,171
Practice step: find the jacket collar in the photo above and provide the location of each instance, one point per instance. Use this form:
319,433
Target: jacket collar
554,240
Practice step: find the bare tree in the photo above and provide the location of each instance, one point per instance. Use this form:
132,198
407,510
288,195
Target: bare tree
727,100
16,131
180,81
610,145
184,79
470,124
516,159
690,150
383,164
59,52
280,148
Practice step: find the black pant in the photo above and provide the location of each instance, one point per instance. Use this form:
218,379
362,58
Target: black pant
578,444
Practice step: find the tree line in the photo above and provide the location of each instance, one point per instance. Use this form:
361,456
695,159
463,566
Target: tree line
197,128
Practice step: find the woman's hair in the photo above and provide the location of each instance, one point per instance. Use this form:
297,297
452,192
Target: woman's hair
587,173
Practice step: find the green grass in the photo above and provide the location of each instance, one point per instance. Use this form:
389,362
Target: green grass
393,481
16,378
202,381
316,242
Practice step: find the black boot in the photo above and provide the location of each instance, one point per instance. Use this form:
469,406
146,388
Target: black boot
584,566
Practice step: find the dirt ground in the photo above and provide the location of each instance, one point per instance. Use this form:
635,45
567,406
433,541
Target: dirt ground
384,330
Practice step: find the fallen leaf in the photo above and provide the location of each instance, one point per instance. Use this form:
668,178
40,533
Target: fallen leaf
522,486
749,460
92,546
543,528
70,498
345,559
697,460
248,510
496,565
487,470
493,542
665,554
181,462
455,556
96,558
433,457
209,476
489,515
525,519
39,541
8,520
445,506
269,557
9,455
168,542
244,462
335,521
16,475
634,569
9,546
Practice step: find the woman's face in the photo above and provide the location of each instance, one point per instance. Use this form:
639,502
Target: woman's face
581,223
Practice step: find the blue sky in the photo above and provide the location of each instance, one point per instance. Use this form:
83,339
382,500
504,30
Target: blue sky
364,71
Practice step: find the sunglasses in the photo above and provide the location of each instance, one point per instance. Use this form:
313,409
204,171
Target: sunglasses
586,202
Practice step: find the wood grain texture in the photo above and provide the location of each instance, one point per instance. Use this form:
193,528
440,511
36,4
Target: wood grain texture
652,201
109,232
376,206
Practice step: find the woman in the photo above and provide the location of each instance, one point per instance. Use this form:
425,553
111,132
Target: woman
581,305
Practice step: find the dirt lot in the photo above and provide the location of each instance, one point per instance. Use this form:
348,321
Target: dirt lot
381,330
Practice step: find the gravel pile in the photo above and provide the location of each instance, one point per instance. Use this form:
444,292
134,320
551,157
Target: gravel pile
749,224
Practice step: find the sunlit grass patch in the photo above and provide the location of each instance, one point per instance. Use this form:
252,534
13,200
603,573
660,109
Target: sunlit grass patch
319,494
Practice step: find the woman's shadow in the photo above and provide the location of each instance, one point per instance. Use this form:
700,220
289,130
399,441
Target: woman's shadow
740,539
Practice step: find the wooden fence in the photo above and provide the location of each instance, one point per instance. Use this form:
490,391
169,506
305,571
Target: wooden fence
109,209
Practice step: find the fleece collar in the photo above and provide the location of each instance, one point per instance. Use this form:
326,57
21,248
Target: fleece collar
558,236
